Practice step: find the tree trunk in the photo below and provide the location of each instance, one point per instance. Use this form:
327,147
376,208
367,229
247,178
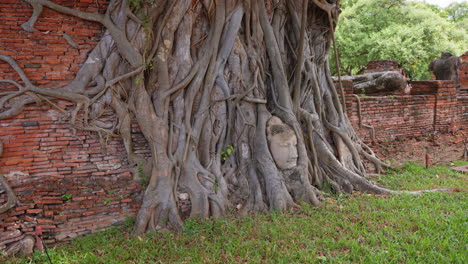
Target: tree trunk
203,79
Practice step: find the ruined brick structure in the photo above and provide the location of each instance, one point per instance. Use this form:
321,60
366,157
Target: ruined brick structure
433,106
69,184
382,65
463,73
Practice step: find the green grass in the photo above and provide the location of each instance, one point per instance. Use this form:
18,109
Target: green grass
358,228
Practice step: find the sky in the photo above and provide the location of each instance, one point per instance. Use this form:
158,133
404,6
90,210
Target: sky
442,3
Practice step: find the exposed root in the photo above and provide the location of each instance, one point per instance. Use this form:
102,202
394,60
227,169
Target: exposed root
12,199
199,76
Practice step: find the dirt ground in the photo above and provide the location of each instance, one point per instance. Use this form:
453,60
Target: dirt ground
441,148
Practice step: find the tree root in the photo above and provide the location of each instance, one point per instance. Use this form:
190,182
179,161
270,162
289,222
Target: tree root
12,199
199,76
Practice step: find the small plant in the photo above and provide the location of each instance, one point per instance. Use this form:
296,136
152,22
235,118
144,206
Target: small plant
226,153
144,179
67,197
391,97
107,201
129,221
216,186
139,79
135,5
149,64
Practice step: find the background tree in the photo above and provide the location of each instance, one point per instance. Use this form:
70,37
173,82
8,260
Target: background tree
203,79
457,11
410,32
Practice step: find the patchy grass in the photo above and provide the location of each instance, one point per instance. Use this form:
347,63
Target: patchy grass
358,228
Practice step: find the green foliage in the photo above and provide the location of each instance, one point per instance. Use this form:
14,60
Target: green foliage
136,5
107,201
149,65
457,11
144,179
413,33
358,228
226,153
67,197
347,3
129,221
139,79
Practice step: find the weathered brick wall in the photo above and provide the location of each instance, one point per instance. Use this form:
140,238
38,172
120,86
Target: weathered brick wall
44,55
433,106
44,160
462,106
382,65
424,87
394,116
463,73
446,118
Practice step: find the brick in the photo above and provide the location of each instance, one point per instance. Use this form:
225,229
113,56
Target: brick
34,211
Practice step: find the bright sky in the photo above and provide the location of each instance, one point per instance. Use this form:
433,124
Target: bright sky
442,3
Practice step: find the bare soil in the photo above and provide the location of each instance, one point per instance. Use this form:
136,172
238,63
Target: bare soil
441,148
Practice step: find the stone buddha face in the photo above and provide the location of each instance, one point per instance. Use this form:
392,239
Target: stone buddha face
283,143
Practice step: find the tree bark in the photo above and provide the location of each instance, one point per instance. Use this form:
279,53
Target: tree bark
202,79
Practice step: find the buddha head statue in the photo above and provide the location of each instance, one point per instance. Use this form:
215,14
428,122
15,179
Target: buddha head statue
283,143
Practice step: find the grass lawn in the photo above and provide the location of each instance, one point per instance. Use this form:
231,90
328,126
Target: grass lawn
358,228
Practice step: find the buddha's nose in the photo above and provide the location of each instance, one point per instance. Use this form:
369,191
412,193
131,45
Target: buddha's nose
293,151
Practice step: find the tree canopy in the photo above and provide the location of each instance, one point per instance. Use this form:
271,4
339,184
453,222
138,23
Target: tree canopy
413,33
457,12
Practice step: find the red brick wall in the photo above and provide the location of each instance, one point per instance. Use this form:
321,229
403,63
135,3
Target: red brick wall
382,65
394,116
43,158
462,106
446,118
424,87
463,73
45,55
433,106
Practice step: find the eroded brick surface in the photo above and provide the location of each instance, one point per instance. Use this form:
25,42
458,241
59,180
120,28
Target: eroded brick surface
433,106
67,182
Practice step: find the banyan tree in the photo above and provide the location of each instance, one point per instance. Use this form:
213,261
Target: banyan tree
234,98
